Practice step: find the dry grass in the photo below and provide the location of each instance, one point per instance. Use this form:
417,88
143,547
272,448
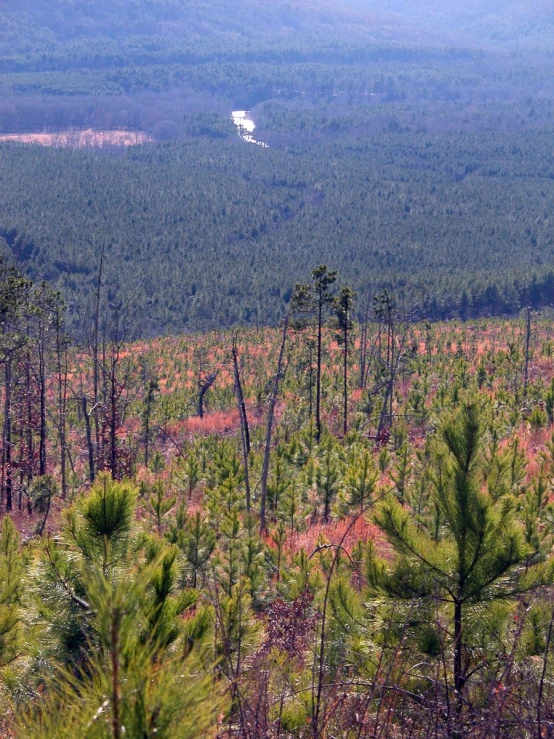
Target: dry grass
80,139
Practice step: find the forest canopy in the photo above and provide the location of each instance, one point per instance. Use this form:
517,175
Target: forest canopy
393,134
213,232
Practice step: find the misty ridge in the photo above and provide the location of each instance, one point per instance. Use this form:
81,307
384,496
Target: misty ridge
474,23
150,65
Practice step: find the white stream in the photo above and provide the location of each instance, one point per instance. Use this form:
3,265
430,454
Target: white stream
245,127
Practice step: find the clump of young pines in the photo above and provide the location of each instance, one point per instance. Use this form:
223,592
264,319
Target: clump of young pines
355,540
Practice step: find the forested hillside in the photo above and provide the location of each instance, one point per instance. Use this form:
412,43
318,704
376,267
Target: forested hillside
393,134
41,22
212,233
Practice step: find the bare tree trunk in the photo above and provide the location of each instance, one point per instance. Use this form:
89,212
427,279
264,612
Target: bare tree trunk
240,398
244,431
149,400
428,343
113,421
311,380
62,402
392,373
116,728
8,488
527,344
395,353
42,391
89,439
318,374
40,530
203,387
95,359
383,416
21,463
30,444
110,373
270,416
458,653
345,377
364,330
3,469
543,676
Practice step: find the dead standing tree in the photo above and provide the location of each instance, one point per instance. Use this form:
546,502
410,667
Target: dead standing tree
14,305
114,384
205,382
152,387
343,307
90,447
528,336
62,374
313,300
270,416
43,334
365,356
90,407
240,395
395,324
244,429
119,389
95,358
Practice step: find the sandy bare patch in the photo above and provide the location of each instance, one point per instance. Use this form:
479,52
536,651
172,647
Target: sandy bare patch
80,139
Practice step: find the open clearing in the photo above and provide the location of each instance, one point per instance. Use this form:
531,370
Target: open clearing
80,139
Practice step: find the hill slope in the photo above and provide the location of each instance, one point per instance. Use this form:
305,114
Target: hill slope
210,233
38,25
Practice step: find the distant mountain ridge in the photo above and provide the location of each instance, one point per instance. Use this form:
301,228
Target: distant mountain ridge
37,24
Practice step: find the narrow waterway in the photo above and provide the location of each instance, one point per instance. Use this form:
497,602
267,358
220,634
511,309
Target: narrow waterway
245,127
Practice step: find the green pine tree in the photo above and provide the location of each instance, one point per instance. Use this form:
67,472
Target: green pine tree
11,573
159,505
328,479
480,554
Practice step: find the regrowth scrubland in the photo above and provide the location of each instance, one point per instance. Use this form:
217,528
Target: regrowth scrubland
340,527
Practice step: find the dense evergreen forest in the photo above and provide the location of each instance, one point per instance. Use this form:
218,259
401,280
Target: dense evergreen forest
393,135
213,232
332,528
